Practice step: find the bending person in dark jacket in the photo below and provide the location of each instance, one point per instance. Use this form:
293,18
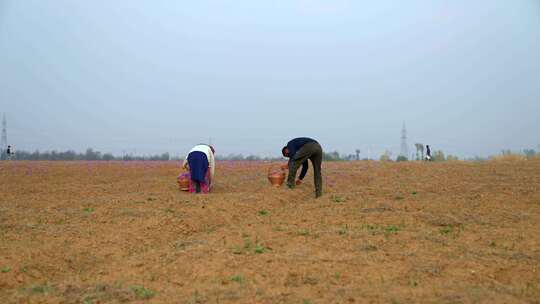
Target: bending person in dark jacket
299,150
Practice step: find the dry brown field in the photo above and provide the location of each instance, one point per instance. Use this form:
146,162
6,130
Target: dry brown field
115,232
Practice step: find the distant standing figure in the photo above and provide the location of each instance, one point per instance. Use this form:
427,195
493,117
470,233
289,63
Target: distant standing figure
9,153
201,164
428,153
299,150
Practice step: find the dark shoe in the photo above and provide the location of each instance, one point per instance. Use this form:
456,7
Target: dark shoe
197,187
318,194
291,186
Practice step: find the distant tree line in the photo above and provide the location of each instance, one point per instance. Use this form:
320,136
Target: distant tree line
436,156
331,156
527,154
509,154
89,154
530,153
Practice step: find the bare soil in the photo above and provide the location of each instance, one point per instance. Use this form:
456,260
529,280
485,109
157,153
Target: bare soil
115,232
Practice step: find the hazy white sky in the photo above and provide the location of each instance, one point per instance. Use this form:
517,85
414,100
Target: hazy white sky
156,76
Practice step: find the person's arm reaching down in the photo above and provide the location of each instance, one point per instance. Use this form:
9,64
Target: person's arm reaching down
185,164
212,164
305,167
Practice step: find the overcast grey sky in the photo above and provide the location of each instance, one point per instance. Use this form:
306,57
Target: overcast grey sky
157,76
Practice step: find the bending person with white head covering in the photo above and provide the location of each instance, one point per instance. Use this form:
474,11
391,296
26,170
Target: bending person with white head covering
201,164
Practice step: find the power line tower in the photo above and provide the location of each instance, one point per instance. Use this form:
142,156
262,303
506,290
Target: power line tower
404,147
3,143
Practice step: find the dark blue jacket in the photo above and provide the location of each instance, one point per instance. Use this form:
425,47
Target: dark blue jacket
293,146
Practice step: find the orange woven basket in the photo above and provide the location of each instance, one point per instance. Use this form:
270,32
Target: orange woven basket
183,181
276,176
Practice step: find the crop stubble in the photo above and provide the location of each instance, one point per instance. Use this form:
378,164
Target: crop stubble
107,232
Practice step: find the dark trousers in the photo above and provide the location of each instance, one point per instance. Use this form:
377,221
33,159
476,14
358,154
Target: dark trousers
312,151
